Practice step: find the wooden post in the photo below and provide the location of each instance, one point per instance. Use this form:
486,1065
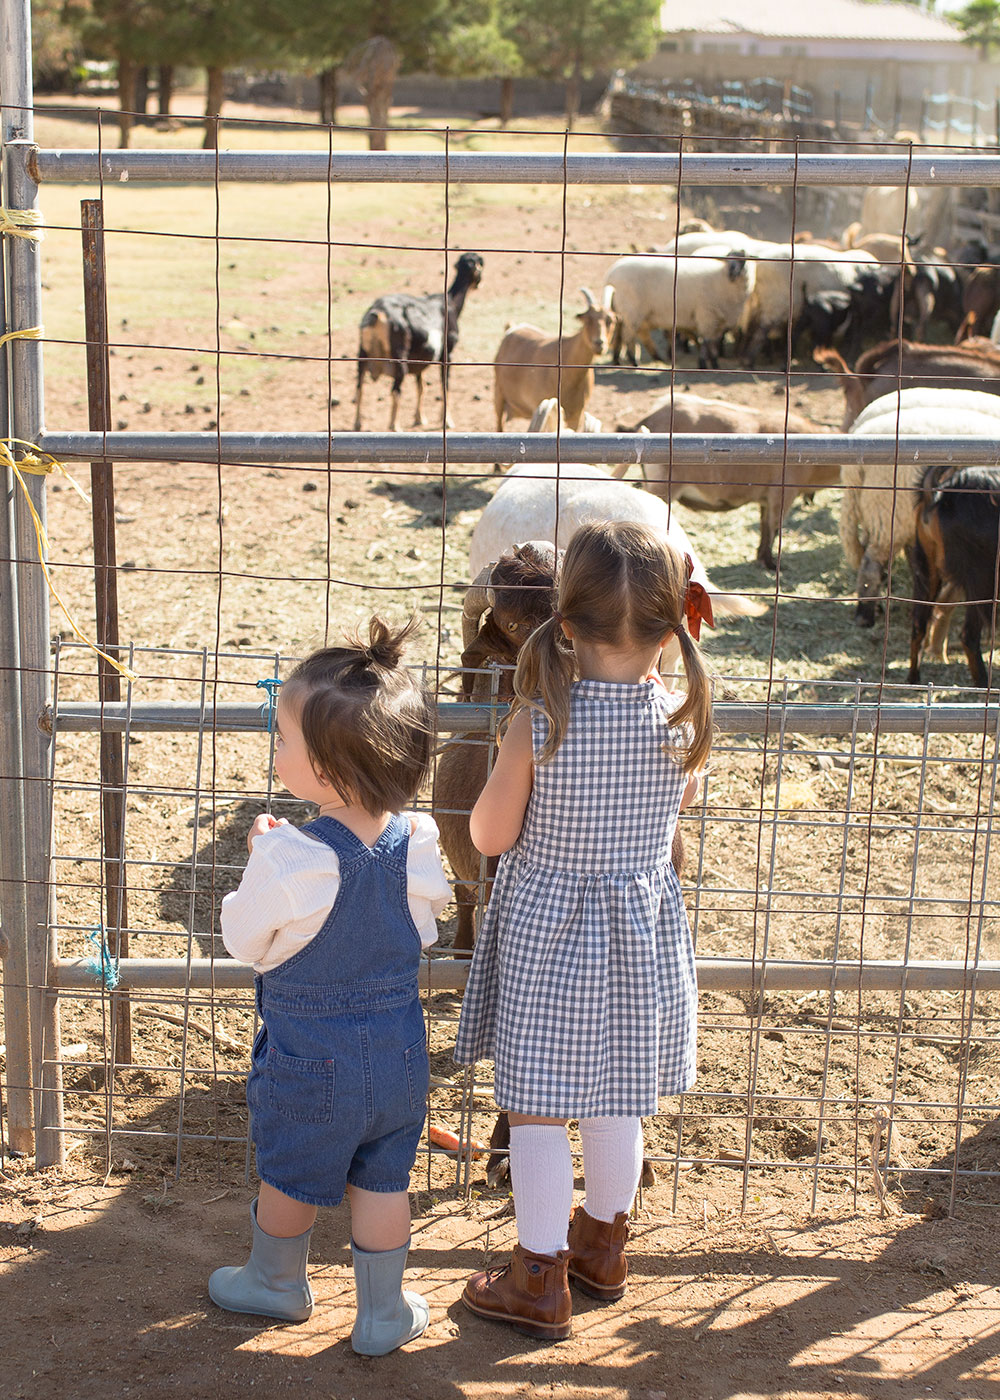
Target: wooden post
106,592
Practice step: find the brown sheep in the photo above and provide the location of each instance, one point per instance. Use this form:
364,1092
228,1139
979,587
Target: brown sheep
727,485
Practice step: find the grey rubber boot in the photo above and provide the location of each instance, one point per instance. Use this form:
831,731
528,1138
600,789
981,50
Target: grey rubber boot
388,1315
273,1280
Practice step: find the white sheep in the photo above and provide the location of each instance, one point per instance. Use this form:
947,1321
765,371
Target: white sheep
525,507
779,291
878,503
702,296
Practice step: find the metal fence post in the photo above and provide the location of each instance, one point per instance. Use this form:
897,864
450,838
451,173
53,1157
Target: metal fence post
26,418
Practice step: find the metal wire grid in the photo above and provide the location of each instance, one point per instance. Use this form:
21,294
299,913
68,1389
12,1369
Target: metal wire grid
751,906
762,911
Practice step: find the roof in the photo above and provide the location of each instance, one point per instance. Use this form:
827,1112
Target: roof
790,19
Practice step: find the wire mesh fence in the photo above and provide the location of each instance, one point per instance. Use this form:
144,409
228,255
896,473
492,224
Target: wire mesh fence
839,874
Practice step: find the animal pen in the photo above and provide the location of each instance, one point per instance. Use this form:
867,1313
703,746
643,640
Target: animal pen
842,881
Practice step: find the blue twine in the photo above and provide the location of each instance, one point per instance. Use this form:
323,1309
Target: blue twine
106,969
267,710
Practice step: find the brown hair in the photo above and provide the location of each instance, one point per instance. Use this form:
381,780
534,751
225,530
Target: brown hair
366,722
620,582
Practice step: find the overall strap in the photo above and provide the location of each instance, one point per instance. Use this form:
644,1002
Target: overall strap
390,848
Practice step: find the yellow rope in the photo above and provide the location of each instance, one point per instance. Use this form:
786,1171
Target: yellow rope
32,333
20,223
35,464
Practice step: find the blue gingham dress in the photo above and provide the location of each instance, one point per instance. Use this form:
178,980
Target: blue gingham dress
582,987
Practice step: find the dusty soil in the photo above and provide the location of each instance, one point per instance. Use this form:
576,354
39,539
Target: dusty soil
761,1262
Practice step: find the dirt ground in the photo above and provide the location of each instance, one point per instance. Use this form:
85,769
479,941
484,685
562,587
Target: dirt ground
744,1283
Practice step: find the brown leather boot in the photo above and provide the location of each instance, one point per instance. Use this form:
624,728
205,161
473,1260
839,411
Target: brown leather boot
597,1263
531,1293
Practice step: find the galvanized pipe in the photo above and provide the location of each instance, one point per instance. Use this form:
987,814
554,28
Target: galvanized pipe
26,415
731,717
450,974
596,449
13,912
513,168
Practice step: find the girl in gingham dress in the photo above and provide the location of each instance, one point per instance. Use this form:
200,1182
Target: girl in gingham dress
582,987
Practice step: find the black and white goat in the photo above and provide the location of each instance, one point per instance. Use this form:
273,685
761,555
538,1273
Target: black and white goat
402,334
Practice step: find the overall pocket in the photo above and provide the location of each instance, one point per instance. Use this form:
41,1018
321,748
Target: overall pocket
418,1075
301,1090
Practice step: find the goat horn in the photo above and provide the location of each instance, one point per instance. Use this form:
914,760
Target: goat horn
477,600
589,295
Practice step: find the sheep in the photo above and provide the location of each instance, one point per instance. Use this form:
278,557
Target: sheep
779,290
955,547
531,366
403,334
701,296
507,600
878,503
525,506
725,485
894,364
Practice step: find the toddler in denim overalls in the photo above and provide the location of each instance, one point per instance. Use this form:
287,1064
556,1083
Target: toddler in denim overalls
333,918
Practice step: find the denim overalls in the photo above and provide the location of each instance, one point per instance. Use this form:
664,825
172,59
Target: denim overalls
338,1084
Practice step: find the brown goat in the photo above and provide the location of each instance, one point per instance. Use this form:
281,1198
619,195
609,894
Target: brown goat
906,364
504,605
531,366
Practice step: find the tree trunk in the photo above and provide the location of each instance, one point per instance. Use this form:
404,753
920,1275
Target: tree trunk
126,99
142,90
506,100
573,97
165,88
379,102
328,96
213,106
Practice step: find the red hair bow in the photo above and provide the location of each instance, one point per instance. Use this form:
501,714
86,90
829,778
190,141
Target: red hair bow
697,603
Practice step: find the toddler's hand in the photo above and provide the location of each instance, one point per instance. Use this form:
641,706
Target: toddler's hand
265,822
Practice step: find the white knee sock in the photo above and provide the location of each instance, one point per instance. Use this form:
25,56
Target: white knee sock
541,1174
612,1164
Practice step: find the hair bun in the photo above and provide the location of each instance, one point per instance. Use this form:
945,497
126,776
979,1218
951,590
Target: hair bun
385,647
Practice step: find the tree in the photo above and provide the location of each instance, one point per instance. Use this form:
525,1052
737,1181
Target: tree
476,46
573,39
980,22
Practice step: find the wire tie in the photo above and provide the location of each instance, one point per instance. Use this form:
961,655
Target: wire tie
107,969
42,464
269,708
20,223
29,333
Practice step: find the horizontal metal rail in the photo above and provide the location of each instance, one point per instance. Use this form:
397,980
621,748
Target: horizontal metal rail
731,717
430,449
511,168
450,974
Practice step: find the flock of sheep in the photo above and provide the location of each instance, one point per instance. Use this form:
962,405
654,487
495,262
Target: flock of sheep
723,292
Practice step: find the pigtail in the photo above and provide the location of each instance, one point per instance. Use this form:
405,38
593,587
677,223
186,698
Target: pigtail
696,709
546,668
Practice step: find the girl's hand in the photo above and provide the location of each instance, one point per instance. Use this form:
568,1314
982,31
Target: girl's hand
265,822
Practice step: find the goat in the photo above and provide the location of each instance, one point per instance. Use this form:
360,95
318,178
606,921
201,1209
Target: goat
725,485
905,364
531,366
403,334
957,544
980,302
507,600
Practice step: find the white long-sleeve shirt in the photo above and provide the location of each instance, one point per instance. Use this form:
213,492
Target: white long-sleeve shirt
291,881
